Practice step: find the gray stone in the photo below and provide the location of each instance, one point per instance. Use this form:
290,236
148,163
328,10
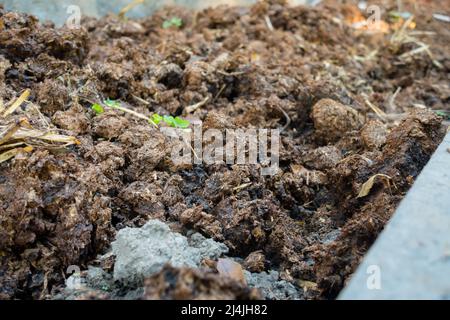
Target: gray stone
99,279
411,257
141,252
271,287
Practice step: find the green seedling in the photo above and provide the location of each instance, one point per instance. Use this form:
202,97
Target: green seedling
112,103
155,119
396,15
173,22
443,114
98,109
176,122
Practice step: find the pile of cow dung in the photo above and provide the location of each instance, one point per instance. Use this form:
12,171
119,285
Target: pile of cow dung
360,113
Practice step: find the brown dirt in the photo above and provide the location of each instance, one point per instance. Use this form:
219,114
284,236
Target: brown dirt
190,284
62,207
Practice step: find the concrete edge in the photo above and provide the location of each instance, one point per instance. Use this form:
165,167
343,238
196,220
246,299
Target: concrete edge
411,257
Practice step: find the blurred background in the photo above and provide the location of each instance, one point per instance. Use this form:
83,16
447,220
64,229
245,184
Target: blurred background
56,10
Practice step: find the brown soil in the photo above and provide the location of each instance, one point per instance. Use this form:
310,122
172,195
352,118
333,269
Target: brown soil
63,207
190,284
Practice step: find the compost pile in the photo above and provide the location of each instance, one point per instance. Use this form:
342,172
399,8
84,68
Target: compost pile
360,112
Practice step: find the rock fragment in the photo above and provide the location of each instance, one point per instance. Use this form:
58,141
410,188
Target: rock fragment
271,287
142,252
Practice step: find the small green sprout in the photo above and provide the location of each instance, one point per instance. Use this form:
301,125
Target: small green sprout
443,114
396,15
182,123
155,119
98,109
175,122
112,103
173,22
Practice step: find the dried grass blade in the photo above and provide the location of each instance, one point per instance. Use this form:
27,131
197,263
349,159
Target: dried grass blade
11,145
58,138
12,153
128,7
24,96
7,135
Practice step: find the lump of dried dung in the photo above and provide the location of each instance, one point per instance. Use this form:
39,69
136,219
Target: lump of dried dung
187,284
109,125
407,149
145,159
169,74
144,199
54,212
109,157
23,37
52,96
323,157
218,120
73,120
199,220
373,134
136,135
255,261
332,120
116,79
244,223
142,252
4,65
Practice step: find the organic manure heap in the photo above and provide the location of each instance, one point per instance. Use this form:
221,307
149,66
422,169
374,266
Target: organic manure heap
86,172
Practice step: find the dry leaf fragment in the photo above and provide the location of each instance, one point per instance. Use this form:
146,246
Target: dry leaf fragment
307,285
367,186
13,152
192,108
231,269
7,133
23,97
128,7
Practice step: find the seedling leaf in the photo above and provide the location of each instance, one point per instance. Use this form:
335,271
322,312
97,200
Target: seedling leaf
181,123
156,118
111,103
169,120
98,109
175,21
443,114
